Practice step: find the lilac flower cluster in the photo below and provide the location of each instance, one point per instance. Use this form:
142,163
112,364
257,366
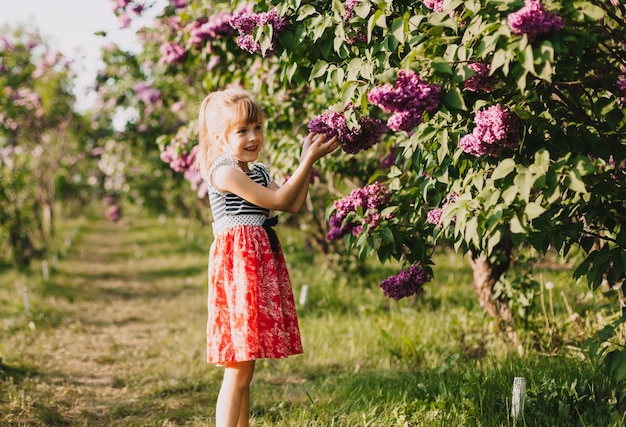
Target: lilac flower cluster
390,159
481,80
179,157
406,283
533,19
620,83
245,21
123,10
496,129
434,216
362,137
349,6
434,5
146,93
215,26
368,200
172,53
407,100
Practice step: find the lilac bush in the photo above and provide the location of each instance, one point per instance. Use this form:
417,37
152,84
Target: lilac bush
365,135
481,80
406,283
245,20
496,129
368,200
147,93
434,5
434,216
533,19
172,53
408,99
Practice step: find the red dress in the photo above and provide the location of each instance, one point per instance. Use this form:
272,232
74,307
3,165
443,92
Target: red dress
252,313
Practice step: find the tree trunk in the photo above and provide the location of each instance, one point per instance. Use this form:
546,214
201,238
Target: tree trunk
485,275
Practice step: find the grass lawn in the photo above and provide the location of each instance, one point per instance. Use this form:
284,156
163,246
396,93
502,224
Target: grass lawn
115,337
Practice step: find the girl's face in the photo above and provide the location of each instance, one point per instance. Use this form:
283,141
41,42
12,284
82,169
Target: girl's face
244,142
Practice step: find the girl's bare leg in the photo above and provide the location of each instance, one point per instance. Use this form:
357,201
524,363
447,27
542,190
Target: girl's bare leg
233,401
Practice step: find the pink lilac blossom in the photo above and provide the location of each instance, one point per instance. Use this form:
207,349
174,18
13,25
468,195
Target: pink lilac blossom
434,5
172,53
365,135
481,80
203,30
533,19
178,4
246,21
368,200
496,129
114,213
621,83
434,216
408,99
406,283
390,159
355,35
621,87
349,6
146,93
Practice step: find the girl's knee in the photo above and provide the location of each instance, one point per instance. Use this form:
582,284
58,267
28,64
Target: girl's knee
240,373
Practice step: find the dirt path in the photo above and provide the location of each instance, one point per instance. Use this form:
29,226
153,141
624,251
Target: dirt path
119,330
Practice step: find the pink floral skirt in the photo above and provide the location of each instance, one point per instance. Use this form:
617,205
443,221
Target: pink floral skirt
252,314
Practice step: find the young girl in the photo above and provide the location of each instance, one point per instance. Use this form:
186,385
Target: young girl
252,312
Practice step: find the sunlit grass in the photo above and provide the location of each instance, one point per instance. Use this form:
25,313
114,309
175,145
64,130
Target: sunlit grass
115,337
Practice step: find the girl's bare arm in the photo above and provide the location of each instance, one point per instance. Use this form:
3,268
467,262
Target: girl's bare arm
290,196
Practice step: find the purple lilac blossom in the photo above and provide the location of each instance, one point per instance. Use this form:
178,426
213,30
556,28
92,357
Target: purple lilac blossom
146,93
245,21
434,5
406,283
390,159
114,213
434,216
533,19
362,137
349,5
621,83
481,80
172,53
369,200
496,129
408,99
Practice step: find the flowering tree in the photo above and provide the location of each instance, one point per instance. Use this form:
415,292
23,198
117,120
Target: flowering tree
504,119
38,129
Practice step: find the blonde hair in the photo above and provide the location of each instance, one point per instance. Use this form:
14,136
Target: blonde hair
220,112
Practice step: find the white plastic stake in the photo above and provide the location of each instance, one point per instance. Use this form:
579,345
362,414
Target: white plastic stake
26,301
303,294
45,271
519,396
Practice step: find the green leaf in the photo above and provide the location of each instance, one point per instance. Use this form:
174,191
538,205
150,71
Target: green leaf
533,210
454,99
441,65
319,69
306,11
575,183
504,168
398,29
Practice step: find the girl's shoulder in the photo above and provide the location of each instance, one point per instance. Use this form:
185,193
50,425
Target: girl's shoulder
222,160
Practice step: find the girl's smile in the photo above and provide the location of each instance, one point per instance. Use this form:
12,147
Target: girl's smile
245,143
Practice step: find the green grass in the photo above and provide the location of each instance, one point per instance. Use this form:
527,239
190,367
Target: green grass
115,337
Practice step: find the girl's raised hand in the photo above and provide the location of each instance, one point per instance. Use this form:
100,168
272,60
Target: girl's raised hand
317,145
